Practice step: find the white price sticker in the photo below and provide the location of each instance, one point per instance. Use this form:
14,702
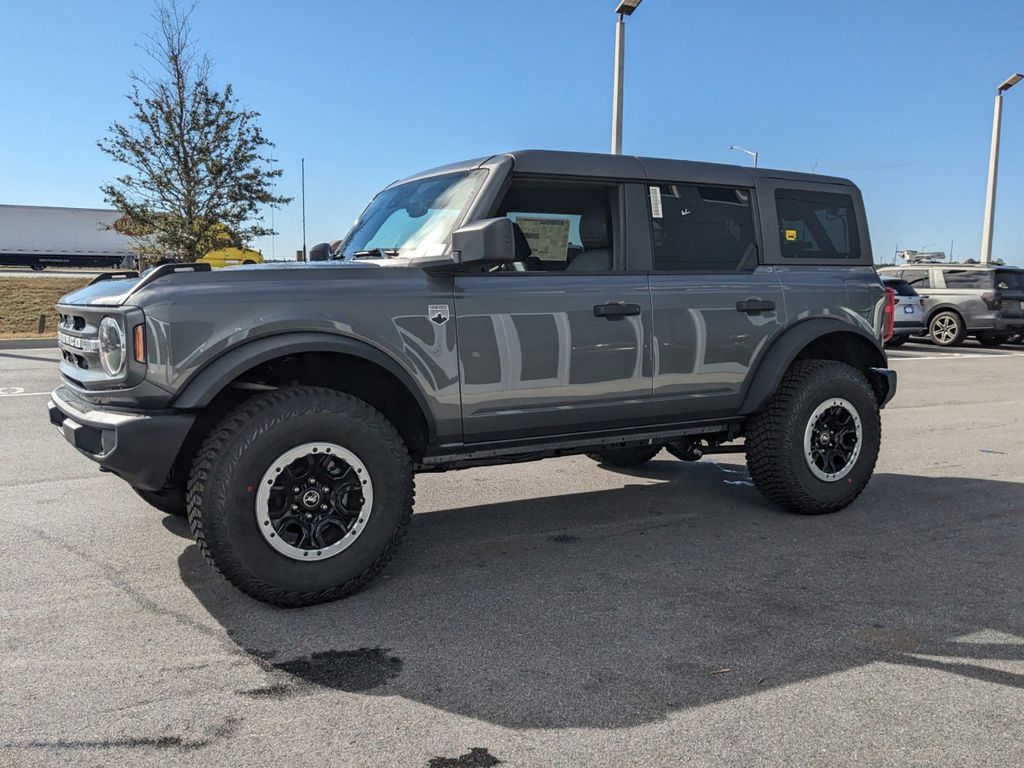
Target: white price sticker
656,212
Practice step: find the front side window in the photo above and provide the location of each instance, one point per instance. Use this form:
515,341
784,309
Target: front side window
412,219
699,228
817,225
567,226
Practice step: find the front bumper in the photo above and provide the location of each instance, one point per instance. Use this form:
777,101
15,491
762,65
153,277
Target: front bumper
139,447
883,381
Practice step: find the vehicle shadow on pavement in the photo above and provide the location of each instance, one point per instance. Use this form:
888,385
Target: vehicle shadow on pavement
615,608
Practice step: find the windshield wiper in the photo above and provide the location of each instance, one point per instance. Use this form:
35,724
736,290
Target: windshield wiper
385,252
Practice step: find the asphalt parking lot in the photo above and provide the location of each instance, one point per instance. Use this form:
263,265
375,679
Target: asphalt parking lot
545,614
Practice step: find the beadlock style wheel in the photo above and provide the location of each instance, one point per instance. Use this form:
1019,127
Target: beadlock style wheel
832,439
313,501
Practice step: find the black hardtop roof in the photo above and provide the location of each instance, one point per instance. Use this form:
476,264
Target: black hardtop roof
594,164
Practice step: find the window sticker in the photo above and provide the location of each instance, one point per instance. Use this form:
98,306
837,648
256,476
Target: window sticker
548,238
656,211
790,235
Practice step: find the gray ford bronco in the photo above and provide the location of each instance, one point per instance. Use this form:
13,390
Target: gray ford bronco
510,308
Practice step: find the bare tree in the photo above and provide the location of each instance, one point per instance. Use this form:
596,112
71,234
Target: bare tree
198,168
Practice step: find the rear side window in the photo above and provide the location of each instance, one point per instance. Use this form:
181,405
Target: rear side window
967,278
699,228
918,278
817,225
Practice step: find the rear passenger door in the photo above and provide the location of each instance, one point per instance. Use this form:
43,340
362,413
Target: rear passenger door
714,307
559,341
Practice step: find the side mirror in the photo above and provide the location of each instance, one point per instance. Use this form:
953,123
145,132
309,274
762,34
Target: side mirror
320,252
488,240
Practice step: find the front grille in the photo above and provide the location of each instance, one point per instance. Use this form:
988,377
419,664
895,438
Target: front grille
78,338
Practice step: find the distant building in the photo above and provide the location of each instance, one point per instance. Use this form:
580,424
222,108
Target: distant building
41,236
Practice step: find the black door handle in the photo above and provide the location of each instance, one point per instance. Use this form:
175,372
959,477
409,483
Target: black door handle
753,306
616,310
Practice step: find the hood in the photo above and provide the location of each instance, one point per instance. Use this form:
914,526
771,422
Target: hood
114,292
106,293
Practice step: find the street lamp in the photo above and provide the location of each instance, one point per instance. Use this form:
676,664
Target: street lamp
993,168
749,152
625,8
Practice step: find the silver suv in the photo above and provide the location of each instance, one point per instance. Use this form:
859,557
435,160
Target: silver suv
962,300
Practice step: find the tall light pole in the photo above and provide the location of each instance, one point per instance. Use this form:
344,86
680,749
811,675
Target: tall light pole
625,8
748,151
993,168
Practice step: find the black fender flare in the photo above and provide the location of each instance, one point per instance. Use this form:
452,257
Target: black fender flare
212,379
784,350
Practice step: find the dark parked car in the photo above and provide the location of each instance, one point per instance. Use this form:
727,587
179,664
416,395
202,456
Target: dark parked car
509,308
961,300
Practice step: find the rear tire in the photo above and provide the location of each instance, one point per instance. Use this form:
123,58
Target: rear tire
284,557
898,341
170,500
625,458
947,329
781,437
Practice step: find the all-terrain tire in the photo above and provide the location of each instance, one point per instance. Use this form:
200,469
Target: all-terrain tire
625,458
776,456
232,461
170,500
947,329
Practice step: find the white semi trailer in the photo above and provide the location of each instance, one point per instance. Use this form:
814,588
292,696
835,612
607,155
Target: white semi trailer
42,236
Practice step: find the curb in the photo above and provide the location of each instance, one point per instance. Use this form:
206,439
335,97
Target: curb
28,344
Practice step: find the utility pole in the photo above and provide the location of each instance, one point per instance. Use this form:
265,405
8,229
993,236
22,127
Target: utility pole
303,209
993,168
624,9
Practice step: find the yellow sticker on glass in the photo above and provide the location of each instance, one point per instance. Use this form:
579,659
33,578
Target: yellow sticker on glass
790,235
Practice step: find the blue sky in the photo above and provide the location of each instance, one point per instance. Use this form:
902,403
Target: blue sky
896,96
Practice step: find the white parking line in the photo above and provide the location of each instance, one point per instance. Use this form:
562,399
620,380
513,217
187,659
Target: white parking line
959,356
10,392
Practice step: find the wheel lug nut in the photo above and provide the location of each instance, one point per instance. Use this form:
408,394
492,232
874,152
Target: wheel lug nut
295,489
323,507
309,516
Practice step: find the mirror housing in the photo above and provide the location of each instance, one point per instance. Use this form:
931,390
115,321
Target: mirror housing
320,252
490,241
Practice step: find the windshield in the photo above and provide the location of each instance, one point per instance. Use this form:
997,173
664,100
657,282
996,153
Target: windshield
412,219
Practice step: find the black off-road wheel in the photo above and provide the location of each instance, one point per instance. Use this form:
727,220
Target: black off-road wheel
170,500
812,448
301,495
947,329
624,458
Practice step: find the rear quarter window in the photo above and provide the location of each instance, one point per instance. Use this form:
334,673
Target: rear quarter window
980,279
817,225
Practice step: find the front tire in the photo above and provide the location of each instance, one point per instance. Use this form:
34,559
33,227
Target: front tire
947,329
812,448
898,341
301,495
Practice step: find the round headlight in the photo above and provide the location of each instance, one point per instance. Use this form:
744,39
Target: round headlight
112,347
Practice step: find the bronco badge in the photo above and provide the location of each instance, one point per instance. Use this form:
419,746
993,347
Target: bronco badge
438,313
